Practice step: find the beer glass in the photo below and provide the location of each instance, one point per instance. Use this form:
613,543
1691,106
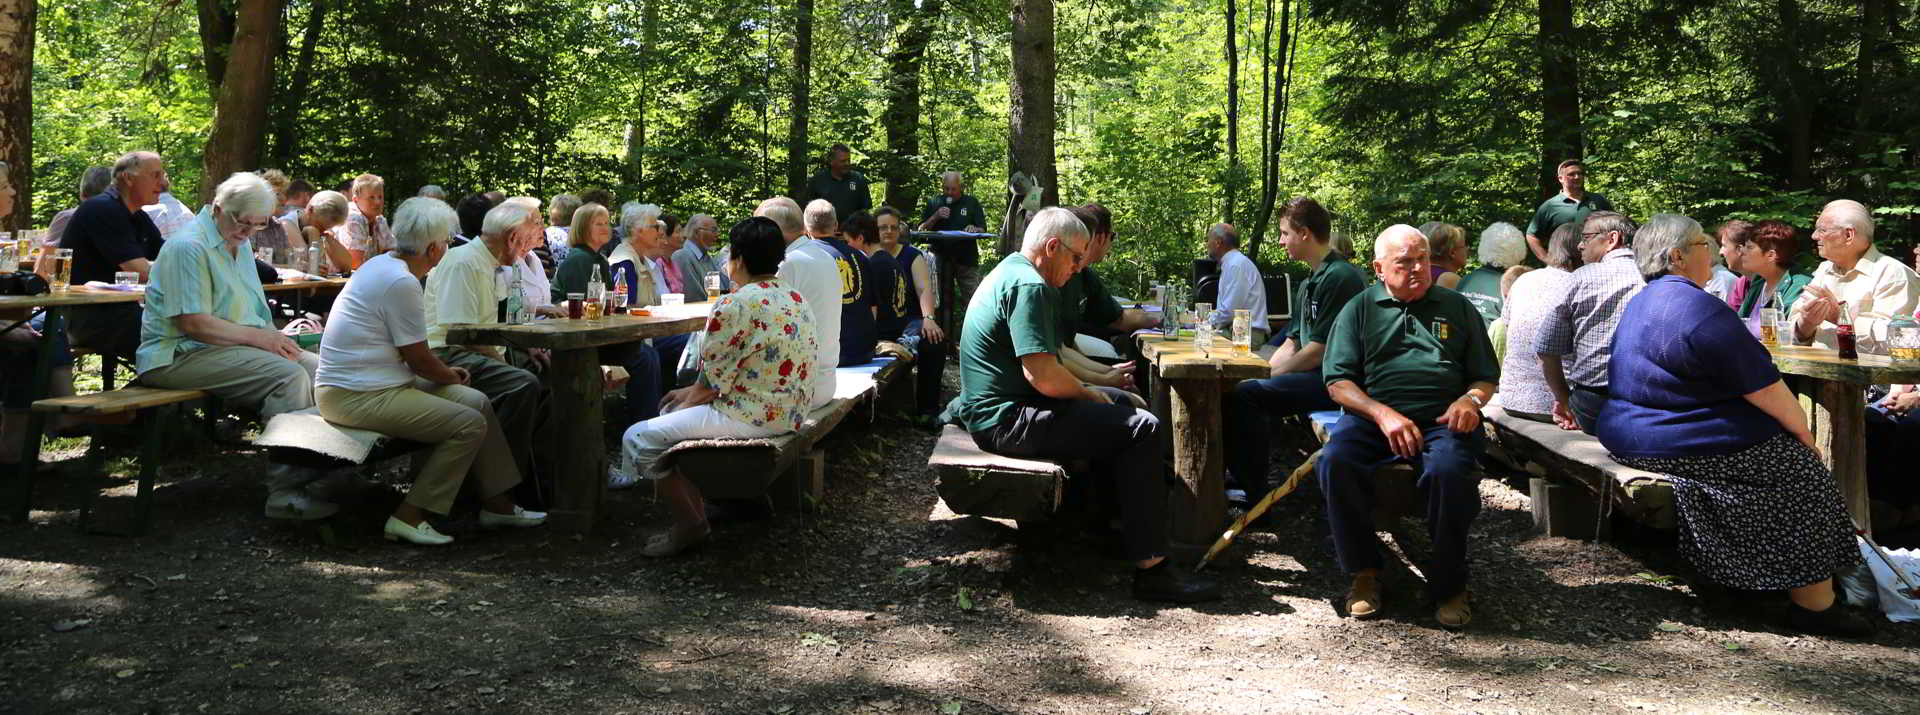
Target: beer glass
593,308
1769,330
575,306
126,278
62,270
713,284
1242,331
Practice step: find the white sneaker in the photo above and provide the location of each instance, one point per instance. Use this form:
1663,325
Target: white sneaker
298,504
423,535
617,479
519,518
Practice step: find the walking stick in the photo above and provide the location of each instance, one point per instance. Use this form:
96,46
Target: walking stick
1909,591
1265,503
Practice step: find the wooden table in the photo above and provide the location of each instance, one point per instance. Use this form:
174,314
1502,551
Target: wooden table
1838,410
1191,385
574,379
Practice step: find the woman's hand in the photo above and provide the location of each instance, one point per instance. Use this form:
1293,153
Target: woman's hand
1806,438
693,395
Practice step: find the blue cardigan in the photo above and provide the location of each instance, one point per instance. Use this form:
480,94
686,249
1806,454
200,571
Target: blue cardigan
1682,365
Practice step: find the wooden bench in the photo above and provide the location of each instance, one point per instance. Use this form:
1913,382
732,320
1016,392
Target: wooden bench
788,468
975,482
1576,482
146,403
1396,487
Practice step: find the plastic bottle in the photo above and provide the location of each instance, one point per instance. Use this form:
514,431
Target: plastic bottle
619,287
516,300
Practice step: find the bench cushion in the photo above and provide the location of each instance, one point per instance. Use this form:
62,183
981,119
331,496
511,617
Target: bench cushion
976,482
307,430
1579,456
113,402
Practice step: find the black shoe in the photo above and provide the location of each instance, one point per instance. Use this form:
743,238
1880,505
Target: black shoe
1837,621
1163,582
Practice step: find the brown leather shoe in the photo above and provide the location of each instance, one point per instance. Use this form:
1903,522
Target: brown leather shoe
1363,599
1455,612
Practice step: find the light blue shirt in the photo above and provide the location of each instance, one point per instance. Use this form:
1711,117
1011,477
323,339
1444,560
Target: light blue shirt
193,275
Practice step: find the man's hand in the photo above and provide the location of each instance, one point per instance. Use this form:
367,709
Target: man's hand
975,229
1563,416
274,342
931,331
540,357
1902,403
943,212
1461,416
1402,434
463,377
550,311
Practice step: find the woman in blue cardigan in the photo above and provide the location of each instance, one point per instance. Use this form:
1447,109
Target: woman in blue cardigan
1695,396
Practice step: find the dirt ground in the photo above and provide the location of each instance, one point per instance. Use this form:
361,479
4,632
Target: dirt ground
879,602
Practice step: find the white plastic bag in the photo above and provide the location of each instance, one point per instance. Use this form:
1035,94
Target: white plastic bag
1899,609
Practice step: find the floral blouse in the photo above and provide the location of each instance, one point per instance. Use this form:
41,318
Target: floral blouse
758,353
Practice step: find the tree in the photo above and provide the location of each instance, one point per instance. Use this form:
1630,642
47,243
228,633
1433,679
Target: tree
240,115
797,154
16,103
1231,184
1030,121
1561,137
289,102
913,31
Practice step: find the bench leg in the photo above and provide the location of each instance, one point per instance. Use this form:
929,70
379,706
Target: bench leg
154,443
802,485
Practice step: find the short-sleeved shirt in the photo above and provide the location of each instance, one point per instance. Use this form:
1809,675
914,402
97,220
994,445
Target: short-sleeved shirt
1681,377
1523,387
1582,326
104,234
1563,209
58,227
462,290
809,269
1012,315
370,237
859,332
1414,357
1482,287
966,211
1086,306
1321,297
195,274
847,195
382,309
759,354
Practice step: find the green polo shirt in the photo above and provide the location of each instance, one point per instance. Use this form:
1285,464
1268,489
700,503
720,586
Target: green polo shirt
1789,288
966,211
1086,303
1414,357
1482,286
1013,314
1318,300
1562,209
847,195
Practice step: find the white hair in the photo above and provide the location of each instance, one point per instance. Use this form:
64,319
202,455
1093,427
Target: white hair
1655,244
1502,245
1225,233
1051,222
433,191
1851,214
953,176
784,212
634,214
421,222
245,194
509,215
821,219
330,205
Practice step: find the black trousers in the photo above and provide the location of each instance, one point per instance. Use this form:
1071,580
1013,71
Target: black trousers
1124,444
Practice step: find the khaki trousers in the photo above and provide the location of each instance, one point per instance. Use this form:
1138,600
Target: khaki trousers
245,376
455,419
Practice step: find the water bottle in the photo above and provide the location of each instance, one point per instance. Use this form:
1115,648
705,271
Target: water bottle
516,301
619,287
314,257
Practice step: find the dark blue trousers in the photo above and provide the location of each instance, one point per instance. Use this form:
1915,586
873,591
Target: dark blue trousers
1891,444
930,361
1354,449
1247,413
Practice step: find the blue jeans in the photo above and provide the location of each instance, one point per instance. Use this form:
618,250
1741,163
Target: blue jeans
1355,448
1247,412
642,362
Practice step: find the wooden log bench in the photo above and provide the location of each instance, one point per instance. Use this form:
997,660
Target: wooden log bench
147,404
790,468
1576,483
975,482
1396,487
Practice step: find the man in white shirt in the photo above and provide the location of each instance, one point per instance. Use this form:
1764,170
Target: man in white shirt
1871,287
812,268
168,214
1240,284
463,289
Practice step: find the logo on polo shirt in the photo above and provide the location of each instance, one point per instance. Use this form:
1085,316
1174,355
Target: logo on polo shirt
1441,329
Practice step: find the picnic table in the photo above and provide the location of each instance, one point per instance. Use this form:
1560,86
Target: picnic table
573,377
1188,393
1839,411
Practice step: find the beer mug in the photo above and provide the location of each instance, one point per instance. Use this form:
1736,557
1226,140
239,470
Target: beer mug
1769,327
62,270
713,284
1242,330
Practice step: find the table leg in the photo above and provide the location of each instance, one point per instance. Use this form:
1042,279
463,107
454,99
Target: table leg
1200,512
580,457
22,501
1840,419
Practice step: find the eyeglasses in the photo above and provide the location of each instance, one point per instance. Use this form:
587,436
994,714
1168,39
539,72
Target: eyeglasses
1585,237
1077,255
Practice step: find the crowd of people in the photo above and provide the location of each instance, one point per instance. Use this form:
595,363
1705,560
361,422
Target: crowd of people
1645,336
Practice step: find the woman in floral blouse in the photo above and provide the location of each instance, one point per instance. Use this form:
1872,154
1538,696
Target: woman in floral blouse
757,361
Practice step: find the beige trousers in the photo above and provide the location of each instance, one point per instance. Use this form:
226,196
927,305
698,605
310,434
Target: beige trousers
245,376
455,419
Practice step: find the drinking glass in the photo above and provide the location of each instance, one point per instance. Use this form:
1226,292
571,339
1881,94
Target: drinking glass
1242,330
126,278
576,305
62,269
8,262
1769,333
713,284
593,308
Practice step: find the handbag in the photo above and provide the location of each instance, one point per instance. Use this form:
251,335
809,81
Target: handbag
23,283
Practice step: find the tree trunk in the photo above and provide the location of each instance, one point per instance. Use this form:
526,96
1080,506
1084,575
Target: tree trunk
1030,119
1798,101
1274,132
240,113
16,103
797,154
913,31
216,39
1873,38
286,135
636,150
1233,111
1561,137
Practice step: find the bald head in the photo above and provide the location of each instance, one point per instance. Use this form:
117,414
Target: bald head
1401,259
785,213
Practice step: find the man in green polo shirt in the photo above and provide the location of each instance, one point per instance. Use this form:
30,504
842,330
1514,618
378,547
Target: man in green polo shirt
1571,205
1411,364
1017,400
837,182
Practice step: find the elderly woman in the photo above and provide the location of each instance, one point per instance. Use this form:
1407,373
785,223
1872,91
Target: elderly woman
633,258
376,373
367,232
1523,389
559,221
1449,246
1501,247
1695,397
1764,253
592,229
755,380
315,225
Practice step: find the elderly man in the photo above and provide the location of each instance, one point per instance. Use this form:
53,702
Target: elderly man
1571,205
367,232
837,183
463,288
108,234
1855,283
1240,284
1086,304
1411,364
1575,338
1017,400
954,209
695,259
859,329
811,268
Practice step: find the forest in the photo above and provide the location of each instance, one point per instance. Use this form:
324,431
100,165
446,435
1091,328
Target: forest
1174,113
